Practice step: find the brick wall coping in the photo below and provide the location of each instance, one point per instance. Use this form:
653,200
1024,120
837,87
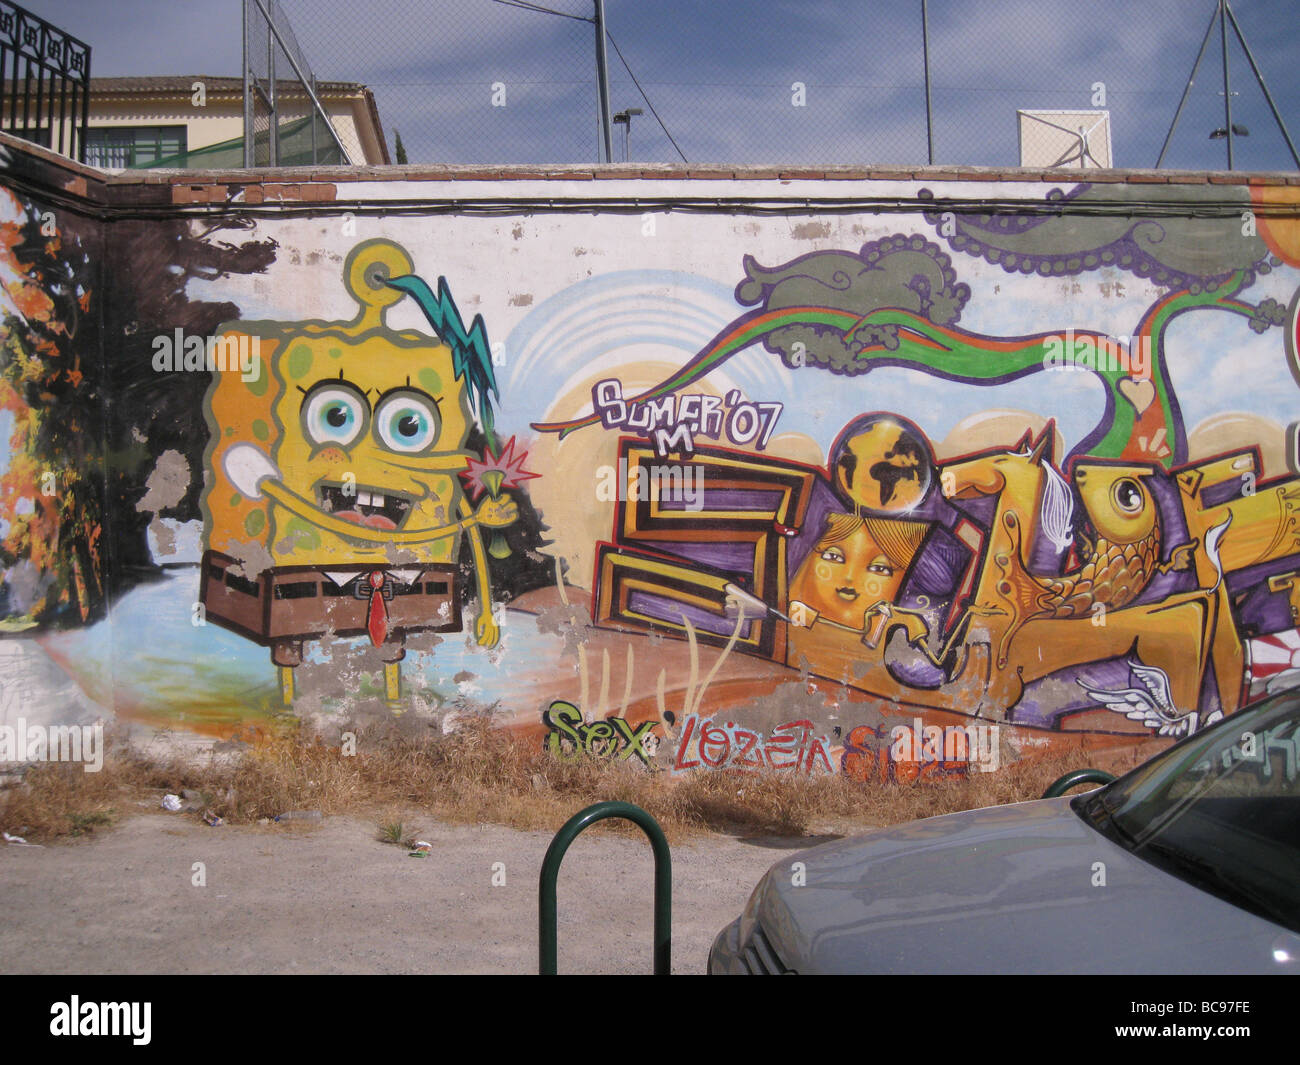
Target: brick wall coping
318,185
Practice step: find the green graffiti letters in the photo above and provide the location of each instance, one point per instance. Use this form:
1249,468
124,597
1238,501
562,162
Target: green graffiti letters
571,738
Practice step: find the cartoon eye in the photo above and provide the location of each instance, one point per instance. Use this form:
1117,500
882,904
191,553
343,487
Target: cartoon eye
1128,495
881,569
407,421
335,413
833,554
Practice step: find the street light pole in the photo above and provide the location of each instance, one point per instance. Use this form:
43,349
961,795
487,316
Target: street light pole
1227,88
925,50
602,85
624,119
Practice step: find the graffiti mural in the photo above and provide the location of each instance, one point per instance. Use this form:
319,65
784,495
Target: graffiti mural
570,736
790,746
1124,579
338,461
905,754
758,497
52,404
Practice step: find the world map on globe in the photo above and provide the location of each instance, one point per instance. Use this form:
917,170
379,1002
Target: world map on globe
883,466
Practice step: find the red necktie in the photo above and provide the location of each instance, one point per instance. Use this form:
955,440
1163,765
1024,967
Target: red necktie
377,615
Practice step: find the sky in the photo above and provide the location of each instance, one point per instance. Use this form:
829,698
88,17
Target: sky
794,82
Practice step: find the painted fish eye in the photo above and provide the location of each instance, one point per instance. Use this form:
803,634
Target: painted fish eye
334,413
1128,496
407,421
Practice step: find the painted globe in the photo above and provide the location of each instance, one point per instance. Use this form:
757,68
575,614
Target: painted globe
882,465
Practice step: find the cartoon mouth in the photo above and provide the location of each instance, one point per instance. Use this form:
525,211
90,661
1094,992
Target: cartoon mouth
364,505
848,594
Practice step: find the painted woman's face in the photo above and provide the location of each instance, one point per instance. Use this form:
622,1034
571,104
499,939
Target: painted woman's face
843,580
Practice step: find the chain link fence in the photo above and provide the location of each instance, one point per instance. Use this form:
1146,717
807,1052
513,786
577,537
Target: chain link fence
287,128
1046,82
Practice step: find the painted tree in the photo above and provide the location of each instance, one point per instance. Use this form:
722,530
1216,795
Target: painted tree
148,267
51,491
89,416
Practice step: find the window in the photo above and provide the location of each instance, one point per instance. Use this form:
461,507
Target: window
132,147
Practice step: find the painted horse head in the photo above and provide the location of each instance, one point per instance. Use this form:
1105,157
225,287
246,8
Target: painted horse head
993,472
1025,481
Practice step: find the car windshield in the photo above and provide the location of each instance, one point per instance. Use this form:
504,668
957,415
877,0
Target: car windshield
1221,809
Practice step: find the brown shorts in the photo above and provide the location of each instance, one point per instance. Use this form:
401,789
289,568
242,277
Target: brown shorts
285,605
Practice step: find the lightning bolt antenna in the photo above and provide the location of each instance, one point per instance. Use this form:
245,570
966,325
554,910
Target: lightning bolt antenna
471,354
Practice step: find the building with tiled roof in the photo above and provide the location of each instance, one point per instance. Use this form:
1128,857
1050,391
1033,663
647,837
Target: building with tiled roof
198,121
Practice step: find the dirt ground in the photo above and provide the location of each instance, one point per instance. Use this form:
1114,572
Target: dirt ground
332,898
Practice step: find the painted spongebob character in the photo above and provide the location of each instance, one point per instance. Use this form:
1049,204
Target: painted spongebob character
333,501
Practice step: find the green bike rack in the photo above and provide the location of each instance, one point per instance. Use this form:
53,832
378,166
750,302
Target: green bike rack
546,919
1063,784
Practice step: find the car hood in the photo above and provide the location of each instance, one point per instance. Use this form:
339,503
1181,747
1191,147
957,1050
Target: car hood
1022,888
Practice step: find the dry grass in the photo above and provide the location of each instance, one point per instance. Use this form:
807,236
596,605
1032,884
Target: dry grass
483,774
57,800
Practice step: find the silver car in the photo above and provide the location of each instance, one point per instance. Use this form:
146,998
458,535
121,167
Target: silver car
1188,864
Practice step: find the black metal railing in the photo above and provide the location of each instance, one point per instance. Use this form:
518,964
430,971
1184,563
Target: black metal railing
44,82
547,920
1061,785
